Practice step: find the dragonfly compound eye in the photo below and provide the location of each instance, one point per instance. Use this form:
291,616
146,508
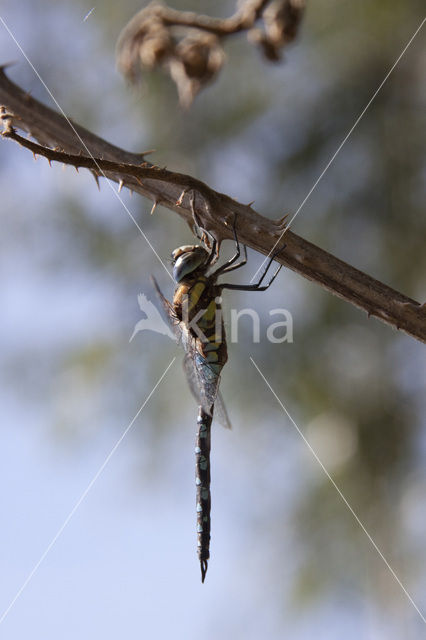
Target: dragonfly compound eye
186,248
187,259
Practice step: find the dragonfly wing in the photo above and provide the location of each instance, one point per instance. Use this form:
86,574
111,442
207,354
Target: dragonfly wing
203,381
205,388
220,412
192,377
169,313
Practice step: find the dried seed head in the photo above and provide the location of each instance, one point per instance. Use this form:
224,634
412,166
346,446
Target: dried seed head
201,55
156,46
260,39
145,41
197,59
281,19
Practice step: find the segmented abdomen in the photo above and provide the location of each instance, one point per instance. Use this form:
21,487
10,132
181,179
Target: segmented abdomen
202,481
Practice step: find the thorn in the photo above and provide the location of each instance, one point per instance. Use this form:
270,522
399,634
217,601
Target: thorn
76,168
181,197
6,65
250,203
49,161
147,153
281,223
35,156
120,185
154,206
96,177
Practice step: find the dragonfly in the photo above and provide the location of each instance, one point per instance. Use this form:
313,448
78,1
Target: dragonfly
195,317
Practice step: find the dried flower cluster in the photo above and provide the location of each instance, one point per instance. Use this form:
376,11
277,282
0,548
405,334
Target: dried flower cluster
281,20
189,45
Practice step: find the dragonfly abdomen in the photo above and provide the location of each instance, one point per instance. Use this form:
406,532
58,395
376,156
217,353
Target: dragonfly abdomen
202,481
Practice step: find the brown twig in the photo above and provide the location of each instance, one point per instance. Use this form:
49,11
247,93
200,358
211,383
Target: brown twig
243,19
78,147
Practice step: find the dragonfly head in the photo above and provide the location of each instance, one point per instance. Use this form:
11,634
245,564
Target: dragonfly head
187,259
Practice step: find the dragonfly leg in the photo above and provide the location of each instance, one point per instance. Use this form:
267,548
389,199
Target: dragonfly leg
230,264
208,240
231,267
257,286
213,247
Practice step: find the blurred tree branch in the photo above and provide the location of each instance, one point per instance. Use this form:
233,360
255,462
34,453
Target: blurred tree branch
63,141
189,45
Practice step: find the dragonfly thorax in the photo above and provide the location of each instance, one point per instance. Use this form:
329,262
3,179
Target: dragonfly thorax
188,259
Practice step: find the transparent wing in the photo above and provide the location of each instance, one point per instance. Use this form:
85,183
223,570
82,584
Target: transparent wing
168,312
206,396
220,412
203,381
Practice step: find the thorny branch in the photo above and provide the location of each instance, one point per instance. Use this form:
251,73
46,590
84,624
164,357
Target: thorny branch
58,141
189,45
